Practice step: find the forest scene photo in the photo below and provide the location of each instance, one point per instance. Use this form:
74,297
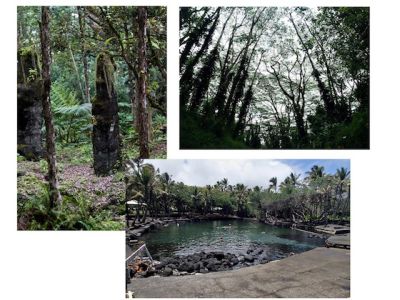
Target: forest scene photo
274,78
91,94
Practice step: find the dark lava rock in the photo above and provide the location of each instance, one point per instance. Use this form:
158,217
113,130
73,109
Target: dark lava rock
219,255
225,262
196,258
167,272
259,251
210,255
186,267
234,261
172,266
264,260
160,266
213,264
249,258
150,272
196,266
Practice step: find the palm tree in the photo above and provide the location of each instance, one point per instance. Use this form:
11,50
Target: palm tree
241,194
166,183
197,198
290,183
315,172
223,184
208,198
273,184
342,175
140,184
294,179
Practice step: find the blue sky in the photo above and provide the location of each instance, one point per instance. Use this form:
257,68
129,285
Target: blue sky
251,172
330,165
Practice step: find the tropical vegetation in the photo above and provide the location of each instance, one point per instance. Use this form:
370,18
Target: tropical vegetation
91,93
274,77
316,197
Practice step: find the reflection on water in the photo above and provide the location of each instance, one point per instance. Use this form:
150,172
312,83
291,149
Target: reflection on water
234,236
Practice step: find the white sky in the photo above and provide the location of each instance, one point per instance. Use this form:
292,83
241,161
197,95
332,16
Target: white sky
202,172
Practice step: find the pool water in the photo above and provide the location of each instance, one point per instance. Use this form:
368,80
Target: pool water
233,236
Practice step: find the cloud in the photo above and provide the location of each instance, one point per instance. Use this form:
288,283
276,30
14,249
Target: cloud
208,171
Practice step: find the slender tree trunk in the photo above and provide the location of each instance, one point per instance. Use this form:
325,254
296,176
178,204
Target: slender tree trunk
81,14
186,80
193,38
325,95
142,105
78,77
246,103
55,196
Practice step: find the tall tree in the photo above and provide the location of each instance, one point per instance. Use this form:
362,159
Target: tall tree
187,76
324,92
81,18
54,193
106,137
141,96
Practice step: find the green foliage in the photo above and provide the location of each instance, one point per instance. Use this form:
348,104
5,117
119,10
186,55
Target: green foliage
20,158
43,166
72,120
196,134
74,214
310,92
314,198
75,154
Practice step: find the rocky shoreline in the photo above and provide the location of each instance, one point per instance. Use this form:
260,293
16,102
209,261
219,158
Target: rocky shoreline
197,263
201,262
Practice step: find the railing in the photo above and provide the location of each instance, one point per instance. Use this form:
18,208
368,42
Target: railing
141,248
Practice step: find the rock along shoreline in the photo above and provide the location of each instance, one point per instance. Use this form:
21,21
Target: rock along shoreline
197,263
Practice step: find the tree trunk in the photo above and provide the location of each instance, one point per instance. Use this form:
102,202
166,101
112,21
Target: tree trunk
78,77
325,95
142,105
193,38
81,13
55,196
29,107
186,81
105,138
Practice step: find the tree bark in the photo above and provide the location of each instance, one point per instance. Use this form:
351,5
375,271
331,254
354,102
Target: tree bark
55,196
325,95
186,80
29,107
81,14
141,98
78,77
105,138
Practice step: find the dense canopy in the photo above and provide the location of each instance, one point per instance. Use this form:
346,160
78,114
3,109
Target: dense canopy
274,78
317,197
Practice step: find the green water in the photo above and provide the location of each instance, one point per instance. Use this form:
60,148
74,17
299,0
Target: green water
234,236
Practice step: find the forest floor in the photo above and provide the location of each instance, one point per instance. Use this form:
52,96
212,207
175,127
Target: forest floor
320,272
89,202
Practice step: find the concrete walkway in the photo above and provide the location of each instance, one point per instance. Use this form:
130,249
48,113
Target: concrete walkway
339,241
318,273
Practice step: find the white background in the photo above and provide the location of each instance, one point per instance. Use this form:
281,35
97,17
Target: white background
90,265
